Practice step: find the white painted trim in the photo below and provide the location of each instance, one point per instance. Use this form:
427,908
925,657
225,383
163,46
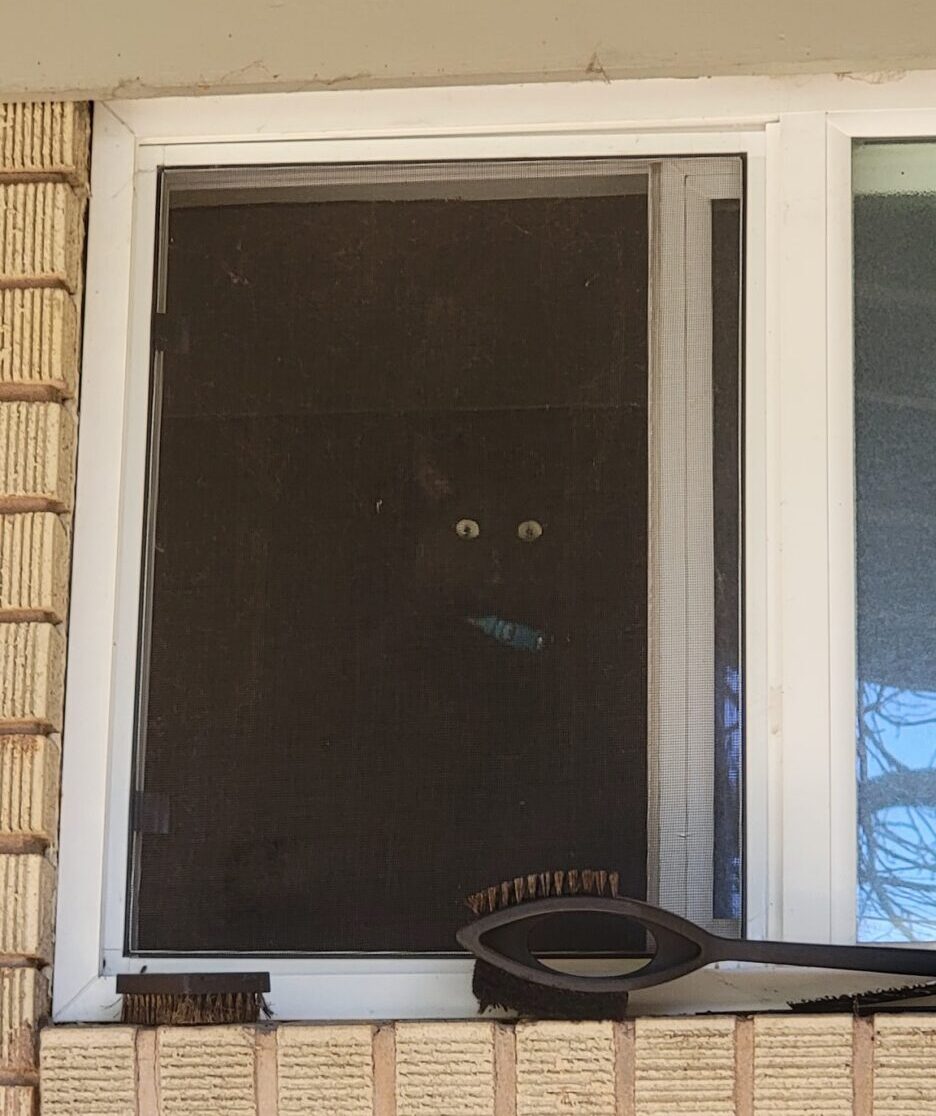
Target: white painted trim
129,571
659,106
345,996
843,803
95,562
801,324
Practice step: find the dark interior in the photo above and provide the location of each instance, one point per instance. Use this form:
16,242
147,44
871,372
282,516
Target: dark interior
343,737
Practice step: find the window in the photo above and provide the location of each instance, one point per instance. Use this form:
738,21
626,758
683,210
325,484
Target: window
248,622
895,436
397,612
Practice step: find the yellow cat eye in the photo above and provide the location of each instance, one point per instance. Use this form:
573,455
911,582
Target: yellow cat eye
467,529
529,530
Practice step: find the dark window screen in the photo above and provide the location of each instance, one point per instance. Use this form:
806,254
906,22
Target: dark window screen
726,553
354,712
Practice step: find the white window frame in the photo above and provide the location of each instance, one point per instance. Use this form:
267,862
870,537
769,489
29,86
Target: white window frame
796,135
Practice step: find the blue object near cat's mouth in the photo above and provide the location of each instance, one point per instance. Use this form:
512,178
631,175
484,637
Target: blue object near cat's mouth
510,632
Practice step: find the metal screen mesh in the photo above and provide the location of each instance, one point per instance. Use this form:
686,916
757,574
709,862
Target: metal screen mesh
371,686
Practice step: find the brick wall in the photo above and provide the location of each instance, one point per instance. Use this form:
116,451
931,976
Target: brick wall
652,1067
43,187
705,1066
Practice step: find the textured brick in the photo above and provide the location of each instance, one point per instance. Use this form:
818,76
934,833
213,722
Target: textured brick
29,788
33,567
38,343
565,1067
445,1069
27,885
32,676
904,1064
88,1071
17,1100
325,1069
44,139
803,1065
684,1065
208,1071
24,1004
41,234
37,448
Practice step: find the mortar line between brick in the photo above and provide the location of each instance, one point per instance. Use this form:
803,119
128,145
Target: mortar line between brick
505,1070
28,616
147,1088
266,1085
744,1066
862,1066
44,391
11,1078
36,282
625,1066
27,728
21,960
28,178
384,1057
22,505
22,844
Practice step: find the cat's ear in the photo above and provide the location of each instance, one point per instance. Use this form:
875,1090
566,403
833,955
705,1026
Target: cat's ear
434,485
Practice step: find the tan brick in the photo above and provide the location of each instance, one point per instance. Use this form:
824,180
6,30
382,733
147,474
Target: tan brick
684,1065
325,1069
803,1064
17,1100
24,1005
88,1071
565,1067
904,1057
445,1069
41,235
27,887
37,449
45,138
38,343
32,675
206,1070
29,790
33,567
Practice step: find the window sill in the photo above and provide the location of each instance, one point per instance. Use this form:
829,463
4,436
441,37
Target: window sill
381,989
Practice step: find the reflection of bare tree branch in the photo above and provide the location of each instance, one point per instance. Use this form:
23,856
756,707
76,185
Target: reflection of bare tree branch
902,787
896,817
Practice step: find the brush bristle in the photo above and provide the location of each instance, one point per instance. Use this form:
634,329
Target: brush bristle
495,989
179,1009
545,885
865,1003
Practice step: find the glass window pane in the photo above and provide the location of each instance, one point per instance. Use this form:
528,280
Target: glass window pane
895,436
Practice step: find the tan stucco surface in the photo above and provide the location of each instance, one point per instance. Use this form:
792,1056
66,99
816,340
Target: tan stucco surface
96,48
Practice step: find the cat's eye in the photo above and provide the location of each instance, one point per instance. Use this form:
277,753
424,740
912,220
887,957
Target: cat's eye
467,529
529,530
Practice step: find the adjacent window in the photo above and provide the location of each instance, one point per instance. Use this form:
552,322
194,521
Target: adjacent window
442,556
895,414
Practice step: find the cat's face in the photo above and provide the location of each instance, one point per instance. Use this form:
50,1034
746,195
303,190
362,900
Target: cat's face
523,517
485,541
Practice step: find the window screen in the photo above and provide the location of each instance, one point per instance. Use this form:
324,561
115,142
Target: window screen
395,623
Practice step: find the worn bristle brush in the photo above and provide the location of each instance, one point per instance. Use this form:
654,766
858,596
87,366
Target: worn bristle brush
180,999
509,975
494,987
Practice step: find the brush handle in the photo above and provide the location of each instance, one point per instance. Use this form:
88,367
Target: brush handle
869,958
